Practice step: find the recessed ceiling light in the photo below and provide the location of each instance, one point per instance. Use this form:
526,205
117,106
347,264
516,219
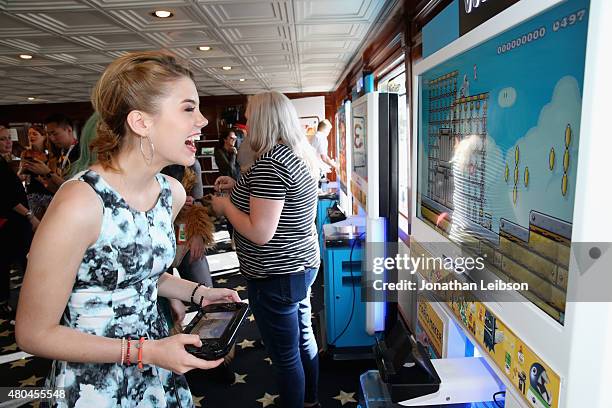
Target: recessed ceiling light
25,56
31,98
227,68
162,13
204,48
241,79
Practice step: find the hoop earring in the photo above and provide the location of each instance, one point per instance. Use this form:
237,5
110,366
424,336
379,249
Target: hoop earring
149,159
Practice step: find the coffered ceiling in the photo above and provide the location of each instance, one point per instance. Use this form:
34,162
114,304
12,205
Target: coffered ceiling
286,45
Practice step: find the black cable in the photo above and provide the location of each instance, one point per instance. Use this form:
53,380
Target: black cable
358,239
495,398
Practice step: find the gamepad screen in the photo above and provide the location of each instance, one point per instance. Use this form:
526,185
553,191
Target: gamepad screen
212,325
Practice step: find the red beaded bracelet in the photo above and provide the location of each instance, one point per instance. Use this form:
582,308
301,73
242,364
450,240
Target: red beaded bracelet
140,344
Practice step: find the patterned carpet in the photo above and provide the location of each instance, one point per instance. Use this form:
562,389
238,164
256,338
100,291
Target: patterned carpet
253,384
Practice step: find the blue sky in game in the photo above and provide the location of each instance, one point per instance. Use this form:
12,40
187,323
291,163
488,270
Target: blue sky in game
535,91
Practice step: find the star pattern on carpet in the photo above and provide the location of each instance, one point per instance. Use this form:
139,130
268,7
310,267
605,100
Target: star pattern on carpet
239,378
12,347
267,399
32,381
240,288
5,333
345,397
246,343
206,392
20,363
197,401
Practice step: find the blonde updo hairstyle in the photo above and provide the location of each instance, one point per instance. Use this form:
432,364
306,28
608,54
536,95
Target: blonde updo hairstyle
135,81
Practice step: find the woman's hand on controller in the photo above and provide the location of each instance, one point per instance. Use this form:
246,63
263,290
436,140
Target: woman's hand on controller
170,353
217,295
224,183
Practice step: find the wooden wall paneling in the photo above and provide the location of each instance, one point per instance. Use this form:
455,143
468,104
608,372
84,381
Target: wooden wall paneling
38,112
213,106
424,12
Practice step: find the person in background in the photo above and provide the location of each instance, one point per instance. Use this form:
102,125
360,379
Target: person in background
193,226
319,143
98,260
240,130
225,155
60,134
87,156
39,197
272,208
17,224
246,156
6,144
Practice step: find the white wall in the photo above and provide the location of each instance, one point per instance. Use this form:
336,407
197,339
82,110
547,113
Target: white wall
311,106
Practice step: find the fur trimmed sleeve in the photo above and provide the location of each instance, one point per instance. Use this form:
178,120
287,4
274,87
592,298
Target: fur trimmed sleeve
198,222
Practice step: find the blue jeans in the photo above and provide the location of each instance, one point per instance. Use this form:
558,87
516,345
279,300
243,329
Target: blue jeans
281,306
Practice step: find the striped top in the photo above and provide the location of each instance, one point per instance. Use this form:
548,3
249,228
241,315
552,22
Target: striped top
279,175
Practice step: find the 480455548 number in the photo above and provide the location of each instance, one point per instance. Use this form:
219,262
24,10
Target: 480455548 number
8,393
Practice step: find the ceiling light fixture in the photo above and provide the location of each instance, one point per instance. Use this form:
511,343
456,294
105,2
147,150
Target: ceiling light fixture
31,98
227,68
25,56
241,79
162,13
204,48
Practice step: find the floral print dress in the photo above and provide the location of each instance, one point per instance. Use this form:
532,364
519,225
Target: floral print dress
115,295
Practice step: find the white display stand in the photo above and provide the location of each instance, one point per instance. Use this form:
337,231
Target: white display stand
578,351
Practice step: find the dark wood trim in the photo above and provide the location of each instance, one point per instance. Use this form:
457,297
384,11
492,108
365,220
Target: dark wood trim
426,11
307,94
389,65
79,112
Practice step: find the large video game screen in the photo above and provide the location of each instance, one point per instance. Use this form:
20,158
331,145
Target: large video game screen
498,137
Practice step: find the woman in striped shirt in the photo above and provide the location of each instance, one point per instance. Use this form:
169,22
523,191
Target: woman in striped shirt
272,208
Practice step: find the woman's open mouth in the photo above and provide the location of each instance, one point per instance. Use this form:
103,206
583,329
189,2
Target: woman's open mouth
190,144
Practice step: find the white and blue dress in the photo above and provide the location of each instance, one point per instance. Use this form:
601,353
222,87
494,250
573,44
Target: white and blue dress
115,295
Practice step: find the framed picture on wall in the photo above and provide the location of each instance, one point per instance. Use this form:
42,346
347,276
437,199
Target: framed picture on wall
309,124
